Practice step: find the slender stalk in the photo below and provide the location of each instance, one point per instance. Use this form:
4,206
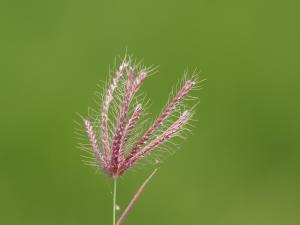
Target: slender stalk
114,200
135,198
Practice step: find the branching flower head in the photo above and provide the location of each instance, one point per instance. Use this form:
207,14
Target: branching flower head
117,133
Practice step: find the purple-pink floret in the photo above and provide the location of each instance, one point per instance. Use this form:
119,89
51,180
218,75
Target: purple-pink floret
108,149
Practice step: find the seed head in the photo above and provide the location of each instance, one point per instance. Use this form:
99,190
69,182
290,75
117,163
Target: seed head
114,133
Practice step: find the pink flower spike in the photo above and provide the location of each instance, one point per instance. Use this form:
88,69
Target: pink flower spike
93,141
130,77
169,133
116,156
163,116
132,121
128,128
108,98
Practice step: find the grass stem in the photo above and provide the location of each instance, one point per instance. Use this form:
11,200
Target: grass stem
114,200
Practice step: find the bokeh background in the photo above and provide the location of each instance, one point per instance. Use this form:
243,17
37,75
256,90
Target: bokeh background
240,166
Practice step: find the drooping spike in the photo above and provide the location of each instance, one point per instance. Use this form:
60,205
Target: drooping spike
92,136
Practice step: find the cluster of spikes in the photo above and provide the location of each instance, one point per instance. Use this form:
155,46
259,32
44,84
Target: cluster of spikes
114,131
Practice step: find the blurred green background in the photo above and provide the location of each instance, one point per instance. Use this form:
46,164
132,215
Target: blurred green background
240,166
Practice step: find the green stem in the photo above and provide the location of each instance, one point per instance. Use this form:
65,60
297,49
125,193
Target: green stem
114,200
